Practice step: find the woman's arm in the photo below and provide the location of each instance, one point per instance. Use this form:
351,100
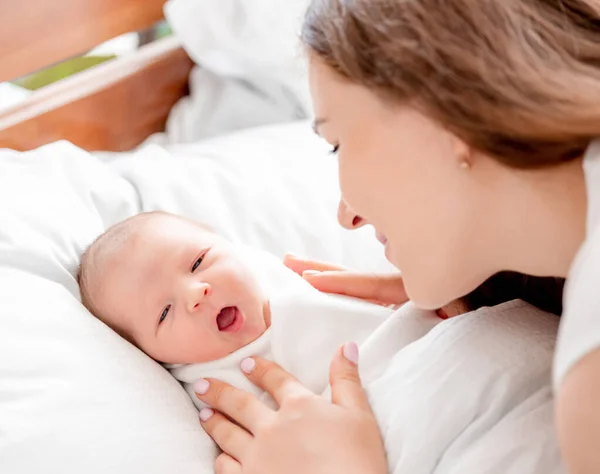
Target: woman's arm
578,416
306,434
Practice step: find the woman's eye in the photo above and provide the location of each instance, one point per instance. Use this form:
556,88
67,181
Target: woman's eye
334,150
197,264
164,314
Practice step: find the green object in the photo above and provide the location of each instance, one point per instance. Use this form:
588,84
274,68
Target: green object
163,29
42,78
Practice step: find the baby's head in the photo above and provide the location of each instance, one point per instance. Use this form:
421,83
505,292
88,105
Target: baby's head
173,288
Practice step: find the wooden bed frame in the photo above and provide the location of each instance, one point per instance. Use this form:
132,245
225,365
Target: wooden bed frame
113,106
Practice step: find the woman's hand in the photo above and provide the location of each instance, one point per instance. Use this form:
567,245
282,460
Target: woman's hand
385,289
306,434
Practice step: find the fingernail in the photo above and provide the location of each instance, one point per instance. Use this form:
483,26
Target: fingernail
351,352
206,413
309,273
201,386
247,365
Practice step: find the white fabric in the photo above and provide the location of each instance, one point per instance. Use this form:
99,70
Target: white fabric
275,188
217,105
472,396
75,397
580,326
250,68
306,329
243,38
468,395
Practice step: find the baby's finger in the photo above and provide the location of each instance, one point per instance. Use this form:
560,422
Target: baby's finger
272,379
386,289
225,464
346,387
300,265
232,439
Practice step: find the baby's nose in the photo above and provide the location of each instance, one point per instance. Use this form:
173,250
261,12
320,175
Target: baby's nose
196,295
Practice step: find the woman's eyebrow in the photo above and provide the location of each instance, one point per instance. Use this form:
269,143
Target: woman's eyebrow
317,123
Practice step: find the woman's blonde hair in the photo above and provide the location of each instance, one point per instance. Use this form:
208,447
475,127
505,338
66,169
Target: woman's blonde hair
516,79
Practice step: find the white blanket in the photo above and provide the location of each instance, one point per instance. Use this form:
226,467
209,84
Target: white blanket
471,395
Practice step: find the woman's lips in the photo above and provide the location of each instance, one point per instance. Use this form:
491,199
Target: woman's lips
382,238
230,319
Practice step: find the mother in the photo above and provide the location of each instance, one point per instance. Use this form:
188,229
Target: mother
466,133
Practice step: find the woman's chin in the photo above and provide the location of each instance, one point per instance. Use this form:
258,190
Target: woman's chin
422,296
390,255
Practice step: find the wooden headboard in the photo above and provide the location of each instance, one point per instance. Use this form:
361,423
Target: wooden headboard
113,106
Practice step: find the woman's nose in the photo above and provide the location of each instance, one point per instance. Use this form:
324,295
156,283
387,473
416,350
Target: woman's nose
195,295
347,218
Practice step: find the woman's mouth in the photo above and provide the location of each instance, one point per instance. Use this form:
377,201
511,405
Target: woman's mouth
382,238
230,319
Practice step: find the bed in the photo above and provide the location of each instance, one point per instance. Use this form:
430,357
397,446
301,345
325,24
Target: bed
74,397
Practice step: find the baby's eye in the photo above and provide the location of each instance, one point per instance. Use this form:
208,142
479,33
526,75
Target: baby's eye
334,150
197,264
164,314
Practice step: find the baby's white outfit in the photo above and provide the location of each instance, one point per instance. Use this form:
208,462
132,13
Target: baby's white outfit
307,327
468,395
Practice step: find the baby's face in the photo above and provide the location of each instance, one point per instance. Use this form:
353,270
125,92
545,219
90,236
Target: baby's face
181,293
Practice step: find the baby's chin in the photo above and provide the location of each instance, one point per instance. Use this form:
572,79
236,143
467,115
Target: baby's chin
253,332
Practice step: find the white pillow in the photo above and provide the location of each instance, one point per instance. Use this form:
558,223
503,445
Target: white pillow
76,398
273,187
247,39
250,67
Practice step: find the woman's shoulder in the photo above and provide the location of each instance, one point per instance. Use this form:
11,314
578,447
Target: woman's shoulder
514,341
580,326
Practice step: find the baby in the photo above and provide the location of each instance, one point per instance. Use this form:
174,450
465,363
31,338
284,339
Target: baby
185,295
199,304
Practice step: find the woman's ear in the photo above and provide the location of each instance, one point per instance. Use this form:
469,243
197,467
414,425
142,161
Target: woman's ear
463,154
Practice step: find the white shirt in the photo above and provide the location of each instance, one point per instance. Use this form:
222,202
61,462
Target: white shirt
472,396
580,326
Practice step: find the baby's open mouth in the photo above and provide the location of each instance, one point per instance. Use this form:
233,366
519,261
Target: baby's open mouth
230,319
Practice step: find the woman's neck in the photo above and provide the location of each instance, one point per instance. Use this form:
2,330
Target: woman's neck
548,221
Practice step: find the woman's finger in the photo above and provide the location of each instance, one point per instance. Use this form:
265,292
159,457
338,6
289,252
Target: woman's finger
242,407
385,289
300,265
346,387
225,464
232,439
273,379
